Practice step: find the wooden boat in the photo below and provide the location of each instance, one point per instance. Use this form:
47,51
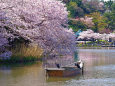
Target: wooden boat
64,71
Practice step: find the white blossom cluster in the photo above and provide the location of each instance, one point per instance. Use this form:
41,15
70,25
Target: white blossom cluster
39,21
89,34
4,35
88,21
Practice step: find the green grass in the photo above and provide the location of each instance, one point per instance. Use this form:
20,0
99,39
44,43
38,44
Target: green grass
97,43
86,45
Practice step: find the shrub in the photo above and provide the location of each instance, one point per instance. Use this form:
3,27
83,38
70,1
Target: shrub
26,53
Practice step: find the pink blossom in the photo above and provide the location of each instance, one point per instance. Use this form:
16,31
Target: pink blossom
89,34
87,20
40,22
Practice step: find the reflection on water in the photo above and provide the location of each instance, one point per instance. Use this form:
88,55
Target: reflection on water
62,61
22,76
99,71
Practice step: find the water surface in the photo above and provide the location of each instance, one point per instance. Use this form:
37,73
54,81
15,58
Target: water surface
99,71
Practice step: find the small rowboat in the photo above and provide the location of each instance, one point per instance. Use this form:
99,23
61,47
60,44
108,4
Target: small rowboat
64,71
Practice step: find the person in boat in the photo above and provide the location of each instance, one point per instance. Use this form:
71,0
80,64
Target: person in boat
57,65
79,64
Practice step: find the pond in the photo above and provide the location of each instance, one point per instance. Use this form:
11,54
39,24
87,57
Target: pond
99,71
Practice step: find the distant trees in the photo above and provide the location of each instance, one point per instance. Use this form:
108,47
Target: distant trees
74,10
76,25
40,22
88,21
108,5
99,22
111,17
82,23
91,35
79,9
101,12
92,6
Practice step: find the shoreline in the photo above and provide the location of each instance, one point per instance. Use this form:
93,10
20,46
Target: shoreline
19,61
95,47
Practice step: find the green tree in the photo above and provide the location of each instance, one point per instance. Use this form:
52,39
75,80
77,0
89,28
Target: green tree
76,25
99,21
111,18
78,2
74,10
71,7
92,6
108,5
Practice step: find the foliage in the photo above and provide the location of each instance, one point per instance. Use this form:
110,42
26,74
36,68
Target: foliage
79,8
108,4
74,10
76,25
38,21
87,21
91,6
99,21
94,8
111,18
82,7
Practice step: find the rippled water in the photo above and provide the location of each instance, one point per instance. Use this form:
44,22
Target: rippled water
99,71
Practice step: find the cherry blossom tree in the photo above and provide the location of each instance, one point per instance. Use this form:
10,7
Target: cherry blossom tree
112,36
89,34
87,21
4,36
86,34
41,22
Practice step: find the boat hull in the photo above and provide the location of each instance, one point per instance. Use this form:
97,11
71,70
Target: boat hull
63,72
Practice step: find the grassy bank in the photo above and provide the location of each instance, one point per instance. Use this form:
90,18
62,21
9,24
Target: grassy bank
18,60
88,45
24,54
98,43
